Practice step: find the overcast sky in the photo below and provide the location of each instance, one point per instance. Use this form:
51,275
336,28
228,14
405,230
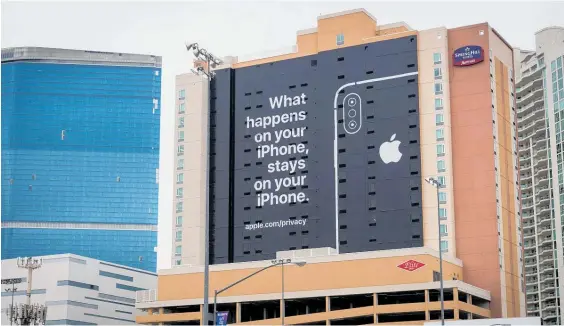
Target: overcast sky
232,28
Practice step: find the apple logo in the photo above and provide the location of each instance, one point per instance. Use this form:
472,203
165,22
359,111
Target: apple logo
389,150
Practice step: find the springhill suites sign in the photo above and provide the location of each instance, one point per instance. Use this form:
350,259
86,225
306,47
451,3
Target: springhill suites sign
468,55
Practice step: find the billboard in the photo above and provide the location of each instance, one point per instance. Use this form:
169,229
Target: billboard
317,151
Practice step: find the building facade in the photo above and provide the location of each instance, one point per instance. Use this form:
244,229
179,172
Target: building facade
78,290
80,154
378,287
540,101
329,145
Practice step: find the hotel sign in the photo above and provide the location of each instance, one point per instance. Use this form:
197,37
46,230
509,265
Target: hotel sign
468,55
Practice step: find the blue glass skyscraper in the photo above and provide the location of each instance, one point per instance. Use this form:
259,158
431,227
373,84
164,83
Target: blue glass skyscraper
80,154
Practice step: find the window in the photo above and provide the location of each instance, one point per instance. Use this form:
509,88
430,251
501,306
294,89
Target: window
441,166
178,235
182,94
442,197
443,229
178,250
440,149
180,164
439,119
180,149
438,104
179,207
442,213
444,246
180,192
436,58
180,178
180,122
438,88
181,108
442,181
440,134
438,73
179,221
181,135
340,39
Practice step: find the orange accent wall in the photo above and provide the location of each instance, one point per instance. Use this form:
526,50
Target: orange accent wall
473,166
315,276
506,165
357,28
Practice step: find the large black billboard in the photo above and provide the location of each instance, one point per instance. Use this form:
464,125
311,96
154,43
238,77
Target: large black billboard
317,151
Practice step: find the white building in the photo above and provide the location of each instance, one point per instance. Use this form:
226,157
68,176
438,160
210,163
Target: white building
79,290
540,114
190,167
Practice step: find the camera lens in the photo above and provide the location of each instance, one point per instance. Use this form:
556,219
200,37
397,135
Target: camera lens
352,124
352,101
352,113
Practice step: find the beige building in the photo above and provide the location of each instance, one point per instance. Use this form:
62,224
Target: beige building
540,99
468,142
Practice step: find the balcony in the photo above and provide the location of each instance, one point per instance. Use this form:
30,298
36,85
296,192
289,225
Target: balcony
549,307
530,75
551,295
529,244
535,94
526,177
530,262
523,89
544,231
530,272
542,190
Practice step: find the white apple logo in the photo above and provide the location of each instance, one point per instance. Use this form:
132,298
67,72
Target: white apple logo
389,150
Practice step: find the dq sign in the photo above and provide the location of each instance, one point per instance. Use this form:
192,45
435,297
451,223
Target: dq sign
411,265
468,55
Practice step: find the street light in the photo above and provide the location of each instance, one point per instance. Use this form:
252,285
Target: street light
212,62
275,262
437,184
282,262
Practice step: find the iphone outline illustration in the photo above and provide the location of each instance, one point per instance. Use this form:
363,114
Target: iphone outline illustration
351,132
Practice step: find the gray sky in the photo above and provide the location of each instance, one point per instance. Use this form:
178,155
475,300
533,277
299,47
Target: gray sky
233,28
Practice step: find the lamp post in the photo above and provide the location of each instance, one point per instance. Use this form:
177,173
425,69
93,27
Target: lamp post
281,262
275,262
211,62
435,183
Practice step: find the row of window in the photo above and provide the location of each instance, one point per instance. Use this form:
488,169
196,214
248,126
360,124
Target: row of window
441,149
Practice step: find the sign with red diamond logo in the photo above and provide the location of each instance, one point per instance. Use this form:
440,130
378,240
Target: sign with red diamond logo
411,265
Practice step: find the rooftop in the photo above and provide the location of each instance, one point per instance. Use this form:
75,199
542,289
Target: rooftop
69,56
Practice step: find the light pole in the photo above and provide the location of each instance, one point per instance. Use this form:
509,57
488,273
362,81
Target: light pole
211,62
12,281
275,262
435,183
282,262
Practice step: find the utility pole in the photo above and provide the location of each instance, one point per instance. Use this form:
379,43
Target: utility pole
211,62
26,314
30,264
12,281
